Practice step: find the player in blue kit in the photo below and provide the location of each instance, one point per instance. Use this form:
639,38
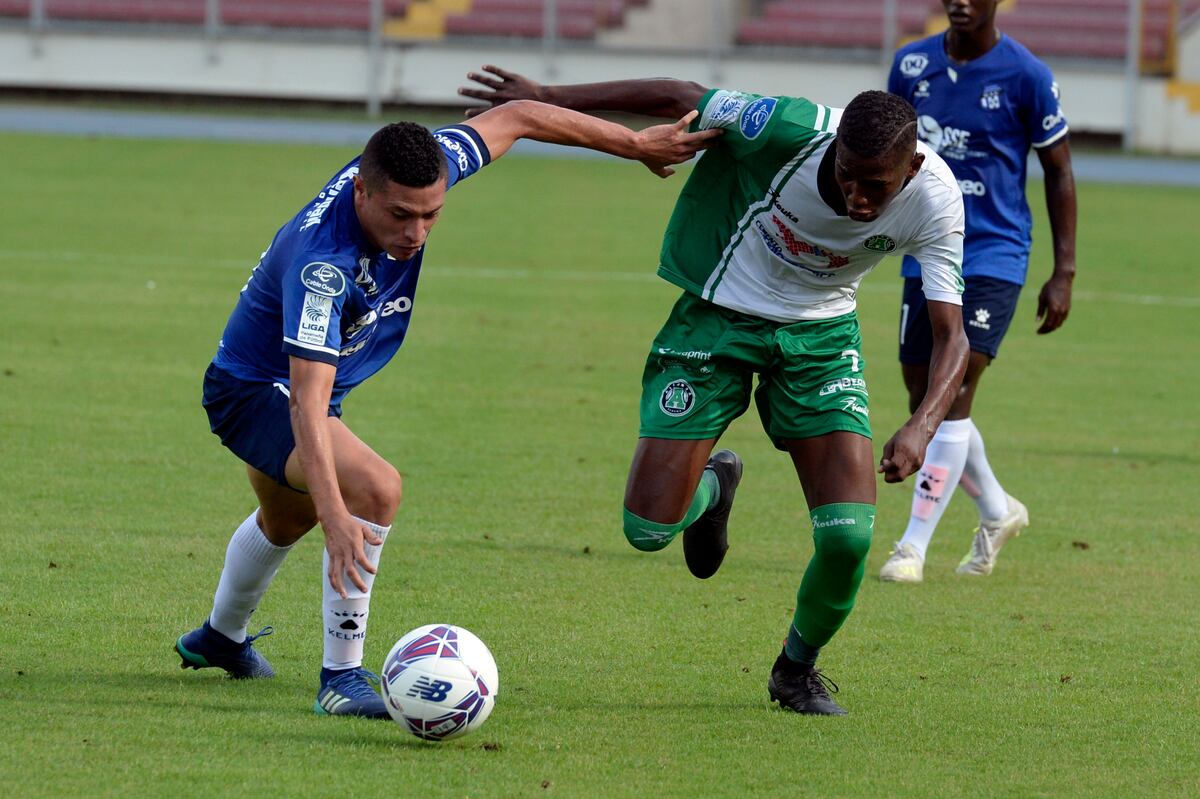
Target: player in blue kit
982,102
327,306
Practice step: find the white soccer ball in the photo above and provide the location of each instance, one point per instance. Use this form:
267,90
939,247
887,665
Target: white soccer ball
440,682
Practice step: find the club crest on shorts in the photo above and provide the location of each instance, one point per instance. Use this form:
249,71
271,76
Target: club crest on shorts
677,398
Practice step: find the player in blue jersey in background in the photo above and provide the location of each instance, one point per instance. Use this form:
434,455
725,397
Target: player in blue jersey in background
327,306
982,102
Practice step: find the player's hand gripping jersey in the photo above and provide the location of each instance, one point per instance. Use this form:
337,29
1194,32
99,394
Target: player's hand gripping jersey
982,117
322,292
751,232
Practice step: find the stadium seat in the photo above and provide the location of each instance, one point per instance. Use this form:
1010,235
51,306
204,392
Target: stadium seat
816,23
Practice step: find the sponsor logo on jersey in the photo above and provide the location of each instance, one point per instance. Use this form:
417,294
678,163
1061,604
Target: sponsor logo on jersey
677,398
314,319
326,198
947,141
456,149
1049,122
360,324
353,348
972,188
913,64
323,279
922,90
852,405
843,384
692,355
363,279
990,99
982,315
723,110
880,243
798,247
756,116
398,305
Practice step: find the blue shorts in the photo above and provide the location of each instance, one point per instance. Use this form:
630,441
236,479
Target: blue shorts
252,419
988,308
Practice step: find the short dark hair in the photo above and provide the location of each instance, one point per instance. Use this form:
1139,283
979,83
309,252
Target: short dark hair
404,153
877,124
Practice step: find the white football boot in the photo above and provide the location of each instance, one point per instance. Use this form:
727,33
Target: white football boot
990,536
904,565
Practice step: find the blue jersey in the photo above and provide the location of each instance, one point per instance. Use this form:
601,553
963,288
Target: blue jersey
323,292
982,117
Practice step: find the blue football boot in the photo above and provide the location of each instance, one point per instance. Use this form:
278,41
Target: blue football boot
348,692
204,648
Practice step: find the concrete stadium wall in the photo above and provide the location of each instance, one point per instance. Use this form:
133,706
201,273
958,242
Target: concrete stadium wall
343,69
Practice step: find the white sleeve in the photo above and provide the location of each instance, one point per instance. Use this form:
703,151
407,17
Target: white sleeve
940,253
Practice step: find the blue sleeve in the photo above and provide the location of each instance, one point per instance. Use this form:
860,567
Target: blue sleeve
313,295
466,152
1045,122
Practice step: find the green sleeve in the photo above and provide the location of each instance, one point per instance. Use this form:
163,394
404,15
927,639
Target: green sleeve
757,124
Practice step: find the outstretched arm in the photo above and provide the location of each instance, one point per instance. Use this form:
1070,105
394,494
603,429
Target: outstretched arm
656,97
308,402
1054,301
657,147
904,453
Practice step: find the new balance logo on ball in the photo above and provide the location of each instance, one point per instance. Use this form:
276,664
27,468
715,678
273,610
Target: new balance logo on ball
430,690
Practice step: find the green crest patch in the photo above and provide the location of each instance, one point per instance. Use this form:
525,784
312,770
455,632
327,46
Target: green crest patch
880,243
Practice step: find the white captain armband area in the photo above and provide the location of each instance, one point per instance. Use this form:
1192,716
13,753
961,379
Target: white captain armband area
465,150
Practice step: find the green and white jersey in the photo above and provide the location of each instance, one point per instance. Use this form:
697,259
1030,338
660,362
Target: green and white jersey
750,231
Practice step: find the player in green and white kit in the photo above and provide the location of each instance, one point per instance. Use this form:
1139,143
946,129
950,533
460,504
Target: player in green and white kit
776,227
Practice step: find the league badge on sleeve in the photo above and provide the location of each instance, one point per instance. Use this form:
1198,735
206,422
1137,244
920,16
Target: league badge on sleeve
323,278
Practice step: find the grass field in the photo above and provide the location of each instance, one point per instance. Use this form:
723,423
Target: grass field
511,411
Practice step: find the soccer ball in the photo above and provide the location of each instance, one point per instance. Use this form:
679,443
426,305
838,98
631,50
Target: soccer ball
440,682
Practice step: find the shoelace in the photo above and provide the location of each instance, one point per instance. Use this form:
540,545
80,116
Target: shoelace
981,547
818,682
263,633
354,684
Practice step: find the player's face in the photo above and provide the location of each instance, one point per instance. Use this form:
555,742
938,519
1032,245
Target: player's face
869,184
397,219
969,16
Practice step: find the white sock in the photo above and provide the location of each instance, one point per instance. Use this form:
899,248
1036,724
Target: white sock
250,564
991,499
935,482
345,620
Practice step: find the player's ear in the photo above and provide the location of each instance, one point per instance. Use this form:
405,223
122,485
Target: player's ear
914,166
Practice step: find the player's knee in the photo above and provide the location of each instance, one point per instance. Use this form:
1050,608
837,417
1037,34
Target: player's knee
381,495
842,550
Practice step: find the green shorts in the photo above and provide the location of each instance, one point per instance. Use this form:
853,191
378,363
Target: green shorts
698,375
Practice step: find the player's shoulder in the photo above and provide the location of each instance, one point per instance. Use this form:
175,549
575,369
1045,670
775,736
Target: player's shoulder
464,144
329,275
1022,58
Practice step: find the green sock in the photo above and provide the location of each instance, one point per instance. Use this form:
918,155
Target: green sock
651,536
842,536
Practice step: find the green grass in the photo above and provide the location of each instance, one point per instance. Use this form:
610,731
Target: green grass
512,412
